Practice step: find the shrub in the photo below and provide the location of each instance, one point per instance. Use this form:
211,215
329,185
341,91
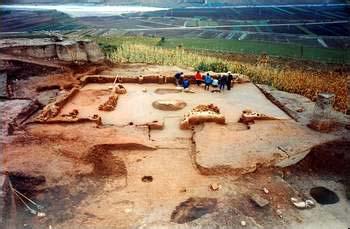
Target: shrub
214,67
108,49
202,67
161,41
218,67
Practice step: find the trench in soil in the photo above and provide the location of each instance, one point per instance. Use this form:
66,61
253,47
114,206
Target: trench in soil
142,175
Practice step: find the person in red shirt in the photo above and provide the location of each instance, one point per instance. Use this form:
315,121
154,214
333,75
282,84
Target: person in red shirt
198,77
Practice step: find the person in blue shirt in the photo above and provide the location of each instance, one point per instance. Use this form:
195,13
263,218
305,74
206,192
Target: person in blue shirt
207,80
186,83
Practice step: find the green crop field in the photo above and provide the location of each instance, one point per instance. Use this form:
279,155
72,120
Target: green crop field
295,51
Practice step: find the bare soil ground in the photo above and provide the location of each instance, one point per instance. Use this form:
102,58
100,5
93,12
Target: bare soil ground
122,173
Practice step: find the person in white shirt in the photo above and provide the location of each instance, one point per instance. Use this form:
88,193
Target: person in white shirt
215,83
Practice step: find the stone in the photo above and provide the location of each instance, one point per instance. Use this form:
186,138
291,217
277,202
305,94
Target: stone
279,213
110,104
215,187
266,190
120,89
41,214
259,201
249,116
243,223
169,105
322,119
302,204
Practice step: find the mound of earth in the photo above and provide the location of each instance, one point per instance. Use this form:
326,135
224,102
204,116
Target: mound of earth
169,105
202,114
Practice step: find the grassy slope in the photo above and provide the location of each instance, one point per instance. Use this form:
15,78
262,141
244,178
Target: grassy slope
246,47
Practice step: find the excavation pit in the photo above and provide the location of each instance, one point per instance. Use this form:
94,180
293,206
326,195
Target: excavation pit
192,209
324,196
115,172
147,179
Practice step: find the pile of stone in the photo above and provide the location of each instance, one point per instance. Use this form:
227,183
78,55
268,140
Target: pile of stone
120,89
110,104
112,101
202,114
249,117
53,109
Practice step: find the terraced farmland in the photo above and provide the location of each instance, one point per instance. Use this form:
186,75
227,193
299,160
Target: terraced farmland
296,28
24,20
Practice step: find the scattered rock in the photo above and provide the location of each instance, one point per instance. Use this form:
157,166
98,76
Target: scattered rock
53,109
259,201
110,104
215,187
266,190
73,114
41,214
249,117
301,204
279,213
120,89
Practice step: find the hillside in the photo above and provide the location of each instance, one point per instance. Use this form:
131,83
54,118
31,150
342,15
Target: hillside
173,3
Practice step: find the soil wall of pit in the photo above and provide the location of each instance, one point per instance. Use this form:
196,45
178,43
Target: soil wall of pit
68,51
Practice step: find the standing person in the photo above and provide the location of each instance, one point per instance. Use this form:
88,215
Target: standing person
178,76
215,83
198,77
229,80
207,80
223,82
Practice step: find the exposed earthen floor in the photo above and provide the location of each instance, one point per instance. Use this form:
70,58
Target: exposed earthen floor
94,174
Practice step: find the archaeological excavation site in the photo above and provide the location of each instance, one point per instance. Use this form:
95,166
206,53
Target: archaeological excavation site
86,143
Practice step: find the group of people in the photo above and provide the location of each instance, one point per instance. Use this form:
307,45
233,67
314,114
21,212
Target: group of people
219,83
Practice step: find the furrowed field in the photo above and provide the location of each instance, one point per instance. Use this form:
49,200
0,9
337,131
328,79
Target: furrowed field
158,51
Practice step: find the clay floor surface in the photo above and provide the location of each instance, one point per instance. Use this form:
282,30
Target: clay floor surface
124,174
